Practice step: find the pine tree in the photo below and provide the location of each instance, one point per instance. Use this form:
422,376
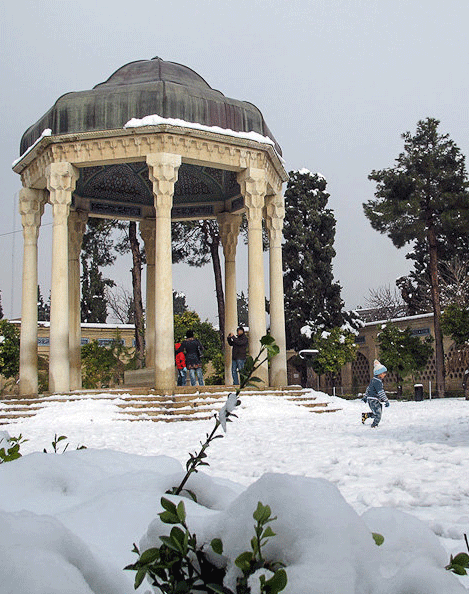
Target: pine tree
96,253
312,298
424,199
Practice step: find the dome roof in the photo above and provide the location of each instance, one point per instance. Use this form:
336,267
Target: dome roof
142,88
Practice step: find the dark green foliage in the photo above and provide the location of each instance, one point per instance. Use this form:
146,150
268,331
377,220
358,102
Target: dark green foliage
401,352
336,348
55,444
180,565
9,350
103,366
455,323
251,561
43,308
311,296
96,253
13,451
460,563
424,199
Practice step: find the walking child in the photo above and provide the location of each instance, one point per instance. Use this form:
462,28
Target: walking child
375,395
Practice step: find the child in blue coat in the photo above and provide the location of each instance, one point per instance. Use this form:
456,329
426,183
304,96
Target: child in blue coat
375,395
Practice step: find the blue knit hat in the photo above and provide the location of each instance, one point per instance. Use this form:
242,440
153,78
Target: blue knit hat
378,368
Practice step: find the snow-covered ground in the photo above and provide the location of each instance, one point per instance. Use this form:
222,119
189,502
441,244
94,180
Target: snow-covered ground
71,519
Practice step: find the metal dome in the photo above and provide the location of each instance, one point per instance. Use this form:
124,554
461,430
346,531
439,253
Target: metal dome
142,88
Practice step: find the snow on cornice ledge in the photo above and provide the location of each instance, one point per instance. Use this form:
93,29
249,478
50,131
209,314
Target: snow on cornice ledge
46,132
155,120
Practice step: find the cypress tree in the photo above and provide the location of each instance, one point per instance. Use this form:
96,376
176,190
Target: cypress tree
312,298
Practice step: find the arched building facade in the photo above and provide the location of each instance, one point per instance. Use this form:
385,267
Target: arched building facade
154,143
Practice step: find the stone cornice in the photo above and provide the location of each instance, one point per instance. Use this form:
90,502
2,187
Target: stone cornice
133,144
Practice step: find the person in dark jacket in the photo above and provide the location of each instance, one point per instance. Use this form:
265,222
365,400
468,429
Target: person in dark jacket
238,355
193,350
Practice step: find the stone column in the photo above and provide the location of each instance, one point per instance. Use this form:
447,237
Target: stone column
275,212
253,188
163,171
61,179
229,230
148,233
31,209
76,229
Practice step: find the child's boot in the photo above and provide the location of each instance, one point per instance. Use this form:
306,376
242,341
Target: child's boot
364,417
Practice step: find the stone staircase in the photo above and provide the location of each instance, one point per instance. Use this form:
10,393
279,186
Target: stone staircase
191,403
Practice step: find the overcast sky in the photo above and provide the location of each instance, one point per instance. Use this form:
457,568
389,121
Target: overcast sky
337,81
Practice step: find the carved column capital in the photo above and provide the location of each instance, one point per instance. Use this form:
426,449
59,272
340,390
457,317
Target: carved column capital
61,179
148,232
275,215
31,207
253,183
76,229
163,172
229,225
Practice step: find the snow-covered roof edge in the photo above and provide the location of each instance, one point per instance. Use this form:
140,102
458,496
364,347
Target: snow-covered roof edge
404,319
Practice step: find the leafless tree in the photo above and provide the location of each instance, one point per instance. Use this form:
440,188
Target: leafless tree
120,302
384,303
454,283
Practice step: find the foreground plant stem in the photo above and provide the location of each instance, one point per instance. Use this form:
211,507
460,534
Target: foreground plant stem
268,350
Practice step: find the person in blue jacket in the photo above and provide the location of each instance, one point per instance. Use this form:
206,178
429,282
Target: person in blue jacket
375,395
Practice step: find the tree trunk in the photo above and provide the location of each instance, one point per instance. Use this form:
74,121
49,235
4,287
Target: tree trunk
137,294
435,293
214,250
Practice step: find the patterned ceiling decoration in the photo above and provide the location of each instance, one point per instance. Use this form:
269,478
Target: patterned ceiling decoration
128,183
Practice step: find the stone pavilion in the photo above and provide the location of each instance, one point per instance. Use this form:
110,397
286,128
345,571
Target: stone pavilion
154,143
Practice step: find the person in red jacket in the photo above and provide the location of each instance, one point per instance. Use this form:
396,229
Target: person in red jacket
181,366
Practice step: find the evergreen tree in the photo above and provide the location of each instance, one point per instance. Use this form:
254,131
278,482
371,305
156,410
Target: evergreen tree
1,308
335,348
43,308
424,199
312,298
455,323
243,310
96,253
402,352
9,350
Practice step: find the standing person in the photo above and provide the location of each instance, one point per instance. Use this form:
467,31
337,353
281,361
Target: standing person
238,355
375,394
193,350
181,366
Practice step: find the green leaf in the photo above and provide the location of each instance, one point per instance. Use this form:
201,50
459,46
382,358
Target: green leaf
244,561
267,340
173,545
262,513
457,569
181,512
217,546
276,583
461,559
268,532
169,518
168,505
141,573
378,538
149,555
